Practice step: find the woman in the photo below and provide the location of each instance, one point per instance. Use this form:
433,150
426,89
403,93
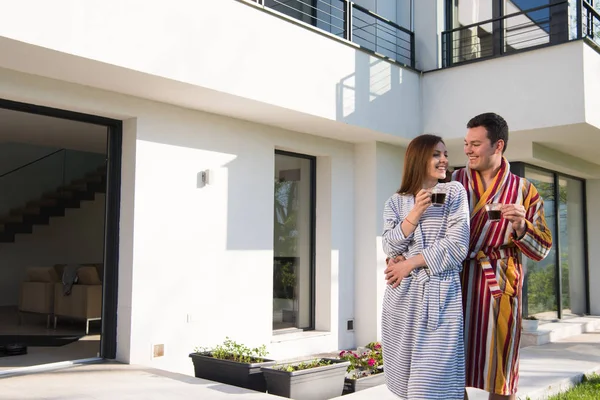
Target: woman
422,319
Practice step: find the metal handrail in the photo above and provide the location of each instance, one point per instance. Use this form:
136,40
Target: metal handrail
590,9
346,27
379,17
31,163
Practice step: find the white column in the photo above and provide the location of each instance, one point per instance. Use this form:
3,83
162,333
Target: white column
378,173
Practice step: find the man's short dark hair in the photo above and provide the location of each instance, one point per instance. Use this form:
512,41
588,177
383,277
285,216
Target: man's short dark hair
495,125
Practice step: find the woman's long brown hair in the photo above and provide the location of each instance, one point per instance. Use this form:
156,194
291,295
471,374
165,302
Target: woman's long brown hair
416,161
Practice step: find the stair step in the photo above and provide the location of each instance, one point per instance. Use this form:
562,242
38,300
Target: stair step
58,195
11,219
7,237
14,228
26,210
89,179
42,203
79,187
36,219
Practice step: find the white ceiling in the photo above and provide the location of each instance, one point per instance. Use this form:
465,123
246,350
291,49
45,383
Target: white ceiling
21,127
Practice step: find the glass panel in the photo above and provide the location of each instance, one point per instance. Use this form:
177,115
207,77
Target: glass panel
475,42
572,256
324,14
539,291
526,30
292,247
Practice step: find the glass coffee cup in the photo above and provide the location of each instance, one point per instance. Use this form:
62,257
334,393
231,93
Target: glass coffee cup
438,196
494,211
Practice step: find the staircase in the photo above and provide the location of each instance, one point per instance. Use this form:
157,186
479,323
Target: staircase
52,204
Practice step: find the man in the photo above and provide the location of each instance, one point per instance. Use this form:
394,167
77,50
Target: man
492,276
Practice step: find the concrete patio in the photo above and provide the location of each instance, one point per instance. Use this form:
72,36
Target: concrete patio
545,370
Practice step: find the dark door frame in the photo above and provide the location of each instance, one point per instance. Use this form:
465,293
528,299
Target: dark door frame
518,168
108,341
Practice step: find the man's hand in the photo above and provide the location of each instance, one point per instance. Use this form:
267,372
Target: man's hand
397,269
515,213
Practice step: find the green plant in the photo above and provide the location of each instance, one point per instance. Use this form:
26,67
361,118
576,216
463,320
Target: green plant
369,362
233,351
531,317
588,389
303,365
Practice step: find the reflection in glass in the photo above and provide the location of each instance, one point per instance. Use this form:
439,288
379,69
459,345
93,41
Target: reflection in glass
539,297
572,257
292,243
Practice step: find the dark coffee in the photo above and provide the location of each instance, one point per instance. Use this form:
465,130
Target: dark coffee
437,199
494,215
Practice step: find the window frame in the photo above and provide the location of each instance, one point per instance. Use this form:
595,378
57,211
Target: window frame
312,232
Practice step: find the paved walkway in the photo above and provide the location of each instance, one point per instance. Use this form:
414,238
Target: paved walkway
108,381
544,370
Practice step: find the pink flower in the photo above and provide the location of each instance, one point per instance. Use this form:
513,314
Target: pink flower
377,346
342,353
371,362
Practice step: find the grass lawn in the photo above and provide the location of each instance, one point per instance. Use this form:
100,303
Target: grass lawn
589,389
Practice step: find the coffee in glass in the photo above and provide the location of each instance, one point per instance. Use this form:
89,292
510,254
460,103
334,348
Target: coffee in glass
494,211
438,196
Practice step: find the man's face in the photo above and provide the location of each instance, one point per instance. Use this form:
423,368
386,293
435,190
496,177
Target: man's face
482,155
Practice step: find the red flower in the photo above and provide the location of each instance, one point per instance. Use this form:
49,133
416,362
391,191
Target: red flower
371,362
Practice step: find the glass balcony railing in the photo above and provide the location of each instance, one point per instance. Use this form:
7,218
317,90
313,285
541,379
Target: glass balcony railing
352,22
536,27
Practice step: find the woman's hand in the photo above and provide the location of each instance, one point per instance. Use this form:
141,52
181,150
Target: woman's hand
397,269
422,201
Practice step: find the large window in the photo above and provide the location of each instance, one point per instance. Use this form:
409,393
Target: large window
540,286
293,242
556,287
486,28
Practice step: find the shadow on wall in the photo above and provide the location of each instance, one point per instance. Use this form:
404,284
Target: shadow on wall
240,161
381,96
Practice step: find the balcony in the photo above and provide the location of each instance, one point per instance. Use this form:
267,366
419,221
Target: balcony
530,29
350,22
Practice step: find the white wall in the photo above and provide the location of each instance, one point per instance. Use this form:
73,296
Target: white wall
535,89
209,250
204,254
378,175
226,46
78,237
591,74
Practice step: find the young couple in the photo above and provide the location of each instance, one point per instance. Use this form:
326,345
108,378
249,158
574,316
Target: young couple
452,308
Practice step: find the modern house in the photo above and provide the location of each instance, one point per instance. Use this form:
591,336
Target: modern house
251,145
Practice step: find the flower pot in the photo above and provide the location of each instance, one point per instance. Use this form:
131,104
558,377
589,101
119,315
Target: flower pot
319,383
245,375
352,385
529,325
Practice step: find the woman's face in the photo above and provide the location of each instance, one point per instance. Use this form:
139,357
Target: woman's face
439,162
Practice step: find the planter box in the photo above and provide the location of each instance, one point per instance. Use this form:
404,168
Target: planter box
530,325
320,383
356,385
248,376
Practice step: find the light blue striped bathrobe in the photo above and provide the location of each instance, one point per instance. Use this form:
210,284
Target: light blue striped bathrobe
422,319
